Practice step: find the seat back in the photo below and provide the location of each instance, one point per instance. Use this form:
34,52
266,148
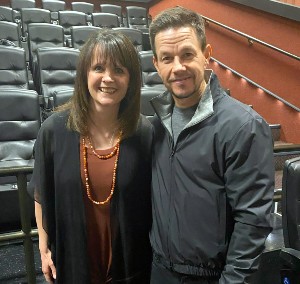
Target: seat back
10,31
80,34
84,7
57,71
137,17
6,14
105,20
113,9
291,203
67,19
13,69
17,5
60,97
147,94
43,35
150,76
33,15
54,6
19,125
135,35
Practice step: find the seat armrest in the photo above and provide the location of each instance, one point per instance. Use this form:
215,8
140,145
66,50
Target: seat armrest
291,258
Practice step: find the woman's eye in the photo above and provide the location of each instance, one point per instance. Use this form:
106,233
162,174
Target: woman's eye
99,68
119,70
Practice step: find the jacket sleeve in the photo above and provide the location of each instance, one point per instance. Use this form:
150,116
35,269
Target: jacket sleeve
249,182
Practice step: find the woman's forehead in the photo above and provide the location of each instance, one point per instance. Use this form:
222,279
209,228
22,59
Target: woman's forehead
104,56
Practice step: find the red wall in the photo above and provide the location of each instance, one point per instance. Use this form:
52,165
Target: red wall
270,69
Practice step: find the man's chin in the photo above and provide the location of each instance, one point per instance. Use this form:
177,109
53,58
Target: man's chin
182,96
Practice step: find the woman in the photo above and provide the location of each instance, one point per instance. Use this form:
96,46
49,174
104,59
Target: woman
92,173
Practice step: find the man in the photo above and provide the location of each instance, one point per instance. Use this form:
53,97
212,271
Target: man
213,171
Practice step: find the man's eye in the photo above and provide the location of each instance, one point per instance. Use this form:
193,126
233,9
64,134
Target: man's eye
166,59
188,55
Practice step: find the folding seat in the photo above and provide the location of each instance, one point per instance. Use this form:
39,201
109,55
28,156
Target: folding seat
54,6
135,35
57,71
67,19
32,15
137,17
150,77
84,7
290,254
13,69
114,9
105,20
43,35
10,31
60,97
80,34
17,5
19,125
6,14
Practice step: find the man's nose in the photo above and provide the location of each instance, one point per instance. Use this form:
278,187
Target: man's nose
178,65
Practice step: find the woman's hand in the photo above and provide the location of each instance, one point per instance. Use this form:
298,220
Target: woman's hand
48,267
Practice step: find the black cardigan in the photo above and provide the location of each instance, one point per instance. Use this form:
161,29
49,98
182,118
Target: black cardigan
56,184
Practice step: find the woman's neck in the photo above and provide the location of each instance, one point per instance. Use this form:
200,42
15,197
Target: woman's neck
103,128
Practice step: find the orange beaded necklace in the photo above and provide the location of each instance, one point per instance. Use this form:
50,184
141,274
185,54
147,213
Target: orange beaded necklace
114,152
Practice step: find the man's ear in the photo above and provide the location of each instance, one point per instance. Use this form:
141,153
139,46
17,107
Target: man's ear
208,52
155,64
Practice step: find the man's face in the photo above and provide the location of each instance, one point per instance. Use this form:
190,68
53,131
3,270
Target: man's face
181,63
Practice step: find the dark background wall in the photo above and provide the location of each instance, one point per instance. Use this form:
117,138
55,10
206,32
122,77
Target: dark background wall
270,69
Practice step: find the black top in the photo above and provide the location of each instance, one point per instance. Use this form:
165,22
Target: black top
56,184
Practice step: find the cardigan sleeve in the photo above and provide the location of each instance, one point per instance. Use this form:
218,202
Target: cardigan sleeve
41,187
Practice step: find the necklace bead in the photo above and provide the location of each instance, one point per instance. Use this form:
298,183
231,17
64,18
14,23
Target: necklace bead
116,152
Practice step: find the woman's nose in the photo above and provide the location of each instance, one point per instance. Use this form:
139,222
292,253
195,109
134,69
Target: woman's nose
107,76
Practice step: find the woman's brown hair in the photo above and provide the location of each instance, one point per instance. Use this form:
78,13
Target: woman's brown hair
119,49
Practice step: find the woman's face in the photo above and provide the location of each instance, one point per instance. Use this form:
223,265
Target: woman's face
107,83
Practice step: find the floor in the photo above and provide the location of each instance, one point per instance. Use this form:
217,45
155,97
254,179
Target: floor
12,264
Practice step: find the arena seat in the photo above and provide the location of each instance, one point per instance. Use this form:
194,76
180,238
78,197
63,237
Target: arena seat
19,125
56,71
10,31
13,69
6,14
79,35
290,254
114,9
105,20
135,35
54,6
85,7
137,17
150,77
67,19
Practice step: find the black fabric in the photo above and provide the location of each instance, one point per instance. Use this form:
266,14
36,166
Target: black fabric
56,184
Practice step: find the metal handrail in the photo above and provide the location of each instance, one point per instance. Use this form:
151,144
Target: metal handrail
252,39
256,85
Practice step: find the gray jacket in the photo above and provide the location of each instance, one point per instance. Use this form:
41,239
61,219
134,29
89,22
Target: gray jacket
212,191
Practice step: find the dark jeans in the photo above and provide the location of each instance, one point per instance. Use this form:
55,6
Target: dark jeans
162,275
